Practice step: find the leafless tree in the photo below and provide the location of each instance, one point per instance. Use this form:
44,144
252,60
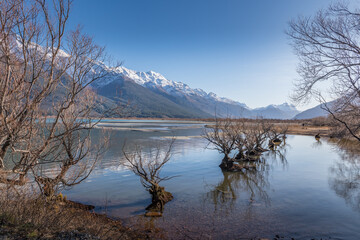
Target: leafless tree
45,69
247,137
222,137
251,138
328,48
148,167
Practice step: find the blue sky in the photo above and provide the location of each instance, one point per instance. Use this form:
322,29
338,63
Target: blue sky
235,48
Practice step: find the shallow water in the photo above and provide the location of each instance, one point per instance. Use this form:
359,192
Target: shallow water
311,190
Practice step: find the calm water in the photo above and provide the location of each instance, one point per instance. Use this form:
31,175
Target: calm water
309,190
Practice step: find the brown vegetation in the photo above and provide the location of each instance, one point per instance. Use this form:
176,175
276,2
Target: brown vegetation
26,216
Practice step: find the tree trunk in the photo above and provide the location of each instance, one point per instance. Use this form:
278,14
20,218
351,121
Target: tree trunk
227,163
240,155
47,186
159,198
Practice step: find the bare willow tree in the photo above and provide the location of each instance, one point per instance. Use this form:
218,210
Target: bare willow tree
148,167
248,138
45,70
251,138
222,137
328,46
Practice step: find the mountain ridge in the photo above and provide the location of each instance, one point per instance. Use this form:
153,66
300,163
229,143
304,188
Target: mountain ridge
195,99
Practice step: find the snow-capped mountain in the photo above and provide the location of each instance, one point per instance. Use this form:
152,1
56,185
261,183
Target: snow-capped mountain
155,80
317,111
282,111
126,84
286,107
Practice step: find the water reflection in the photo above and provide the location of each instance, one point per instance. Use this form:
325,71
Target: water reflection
251,184
277,156
317,144
344,176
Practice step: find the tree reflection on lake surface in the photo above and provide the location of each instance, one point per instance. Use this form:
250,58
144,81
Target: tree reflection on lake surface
345,173
252,182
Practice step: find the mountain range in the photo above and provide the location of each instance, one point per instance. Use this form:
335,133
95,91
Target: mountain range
150,94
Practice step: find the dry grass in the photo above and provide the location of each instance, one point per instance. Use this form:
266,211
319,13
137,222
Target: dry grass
28,217
298,129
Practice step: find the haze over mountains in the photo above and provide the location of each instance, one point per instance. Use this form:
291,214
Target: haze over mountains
150,94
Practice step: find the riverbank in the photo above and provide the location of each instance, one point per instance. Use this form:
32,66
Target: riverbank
309,130
40,219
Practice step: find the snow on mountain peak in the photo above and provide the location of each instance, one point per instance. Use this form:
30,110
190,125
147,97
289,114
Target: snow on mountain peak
156,80
286,107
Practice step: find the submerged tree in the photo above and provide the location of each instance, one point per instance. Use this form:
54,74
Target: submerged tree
328,48
148,167
251,138
45,71
247,137
223,138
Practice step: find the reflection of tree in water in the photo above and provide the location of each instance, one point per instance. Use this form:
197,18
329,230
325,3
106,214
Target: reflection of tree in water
317,144
277,155
252,181
344,176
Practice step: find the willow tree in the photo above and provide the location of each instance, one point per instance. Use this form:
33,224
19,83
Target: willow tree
148,165
46,105
223,138
328,47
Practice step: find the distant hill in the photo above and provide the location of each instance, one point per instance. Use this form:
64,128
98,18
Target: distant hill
314,112
282,111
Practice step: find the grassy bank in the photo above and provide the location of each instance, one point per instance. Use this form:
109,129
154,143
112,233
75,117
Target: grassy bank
37,218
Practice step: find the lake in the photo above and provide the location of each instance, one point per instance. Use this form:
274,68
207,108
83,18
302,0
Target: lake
306,190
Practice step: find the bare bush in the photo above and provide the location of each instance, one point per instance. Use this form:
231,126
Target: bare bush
148,167
248,138
222,137
253,136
